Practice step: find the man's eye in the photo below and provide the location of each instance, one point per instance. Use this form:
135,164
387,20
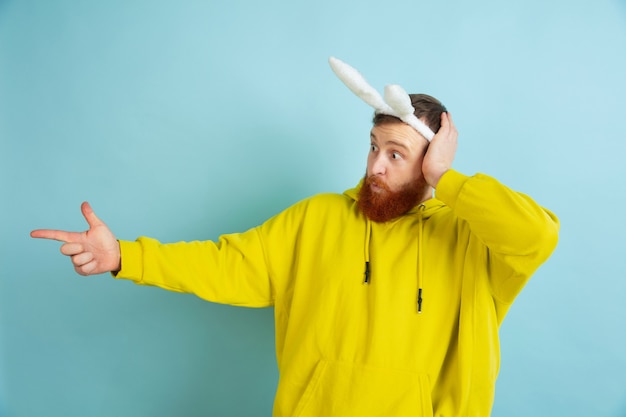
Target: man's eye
396,155
373,148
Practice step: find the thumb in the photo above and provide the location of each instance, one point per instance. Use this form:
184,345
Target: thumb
90,216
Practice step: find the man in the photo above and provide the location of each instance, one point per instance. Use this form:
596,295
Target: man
387,301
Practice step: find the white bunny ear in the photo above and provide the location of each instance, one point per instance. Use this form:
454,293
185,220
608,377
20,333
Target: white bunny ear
398,99
358,85
400,102
396,103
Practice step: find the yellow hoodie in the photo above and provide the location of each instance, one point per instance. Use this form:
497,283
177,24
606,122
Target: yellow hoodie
415,333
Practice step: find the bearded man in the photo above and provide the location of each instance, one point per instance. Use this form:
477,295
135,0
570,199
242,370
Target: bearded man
394,182
387,300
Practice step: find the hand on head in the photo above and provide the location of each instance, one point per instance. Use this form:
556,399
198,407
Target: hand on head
441,151
94,251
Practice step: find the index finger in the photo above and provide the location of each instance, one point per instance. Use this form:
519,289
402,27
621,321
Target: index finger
447,125
59,235
450,122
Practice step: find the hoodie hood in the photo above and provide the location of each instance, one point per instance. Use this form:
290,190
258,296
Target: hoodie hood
427,208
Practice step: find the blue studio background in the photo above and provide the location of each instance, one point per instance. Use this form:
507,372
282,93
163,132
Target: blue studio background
185,120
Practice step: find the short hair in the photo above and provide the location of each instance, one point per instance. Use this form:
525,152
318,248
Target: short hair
427,108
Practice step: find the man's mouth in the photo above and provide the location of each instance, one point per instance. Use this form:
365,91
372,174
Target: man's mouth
377,185
376,188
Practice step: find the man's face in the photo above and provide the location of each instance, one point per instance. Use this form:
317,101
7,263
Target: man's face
394,181
396,155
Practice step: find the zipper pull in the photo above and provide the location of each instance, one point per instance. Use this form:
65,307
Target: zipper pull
367,273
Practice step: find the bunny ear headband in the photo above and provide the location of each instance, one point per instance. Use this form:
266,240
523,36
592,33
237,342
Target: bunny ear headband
396,102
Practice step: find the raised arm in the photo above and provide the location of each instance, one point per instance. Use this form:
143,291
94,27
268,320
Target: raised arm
94,251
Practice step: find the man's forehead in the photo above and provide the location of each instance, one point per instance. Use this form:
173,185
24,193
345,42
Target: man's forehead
398,134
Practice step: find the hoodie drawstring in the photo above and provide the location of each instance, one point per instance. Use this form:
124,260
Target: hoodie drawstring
420,270
368,236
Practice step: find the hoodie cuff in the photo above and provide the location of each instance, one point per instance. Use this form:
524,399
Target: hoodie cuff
131,260
449,187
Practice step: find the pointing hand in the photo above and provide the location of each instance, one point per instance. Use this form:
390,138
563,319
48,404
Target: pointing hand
94,251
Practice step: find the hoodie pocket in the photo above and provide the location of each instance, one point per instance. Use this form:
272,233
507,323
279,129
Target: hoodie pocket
345,389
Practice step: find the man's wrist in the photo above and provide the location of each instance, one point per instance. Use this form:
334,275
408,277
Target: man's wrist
433,180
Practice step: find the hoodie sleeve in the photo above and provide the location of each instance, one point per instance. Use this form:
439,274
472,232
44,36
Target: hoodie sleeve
231,270
249,269
519,234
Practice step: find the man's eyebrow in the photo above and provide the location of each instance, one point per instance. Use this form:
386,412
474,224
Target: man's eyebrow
398,144
390,142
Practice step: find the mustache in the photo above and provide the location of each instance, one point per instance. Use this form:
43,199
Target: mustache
377,181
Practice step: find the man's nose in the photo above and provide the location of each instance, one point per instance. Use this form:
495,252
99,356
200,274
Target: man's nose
379,166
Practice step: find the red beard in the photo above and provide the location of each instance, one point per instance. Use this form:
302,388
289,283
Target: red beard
386,205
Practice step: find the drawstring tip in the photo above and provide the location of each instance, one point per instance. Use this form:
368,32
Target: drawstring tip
367,273
419,301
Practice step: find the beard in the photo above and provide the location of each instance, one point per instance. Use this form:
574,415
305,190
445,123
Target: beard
385,205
